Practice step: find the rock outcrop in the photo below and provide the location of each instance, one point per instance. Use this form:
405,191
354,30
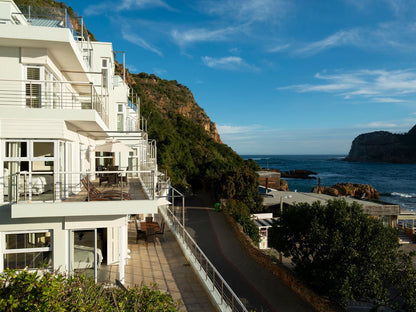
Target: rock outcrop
298,174
363,191
383,146
171,97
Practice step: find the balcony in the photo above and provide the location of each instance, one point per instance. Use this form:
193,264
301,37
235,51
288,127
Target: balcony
54,17
63,194
53,95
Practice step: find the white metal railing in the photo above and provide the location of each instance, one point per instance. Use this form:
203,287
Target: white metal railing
59,18
221,292
53,95
51,186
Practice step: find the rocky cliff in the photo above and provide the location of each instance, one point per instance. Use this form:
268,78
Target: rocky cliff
383,146
171,97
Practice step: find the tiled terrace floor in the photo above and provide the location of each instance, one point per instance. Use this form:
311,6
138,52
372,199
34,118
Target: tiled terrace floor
164,263
132,187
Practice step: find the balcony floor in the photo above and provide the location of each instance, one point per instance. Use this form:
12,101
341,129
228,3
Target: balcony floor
132,187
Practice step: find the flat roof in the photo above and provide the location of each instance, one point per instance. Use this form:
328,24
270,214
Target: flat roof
268,174
273,197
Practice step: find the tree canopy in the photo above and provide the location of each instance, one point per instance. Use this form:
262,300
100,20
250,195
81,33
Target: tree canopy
341,252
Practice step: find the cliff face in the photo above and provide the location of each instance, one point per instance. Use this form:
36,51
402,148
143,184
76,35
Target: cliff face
383,146
170,97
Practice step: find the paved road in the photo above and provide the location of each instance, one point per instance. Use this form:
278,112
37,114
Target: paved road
255,284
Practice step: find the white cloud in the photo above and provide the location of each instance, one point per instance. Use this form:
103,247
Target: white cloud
228,63
247,10
125,5
378,125
279,48
380,86
160,71
190,36
343,37
229,129
135,39
388,100
399,35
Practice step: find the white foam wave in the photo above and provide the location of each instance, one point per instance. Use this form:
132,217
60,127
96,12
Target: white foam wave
403,195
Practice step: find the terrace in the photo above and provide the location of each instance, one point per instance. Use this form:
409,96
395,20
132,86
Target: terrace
73,194
52,94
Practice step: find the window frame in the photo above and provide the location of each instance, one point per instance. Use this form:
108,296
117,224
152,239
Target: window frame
5,251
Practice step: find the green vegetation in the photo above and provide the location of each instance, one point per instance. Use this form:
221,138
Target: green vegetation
186,150
344,254
35,291
240,212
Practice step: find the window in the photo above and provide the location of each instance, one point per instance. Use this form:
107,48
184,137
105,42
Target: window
105,64
103,159
16,149
31,250
120,117
33,87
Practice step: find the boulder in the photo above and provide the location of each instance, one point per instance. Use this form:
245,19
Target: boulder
362,191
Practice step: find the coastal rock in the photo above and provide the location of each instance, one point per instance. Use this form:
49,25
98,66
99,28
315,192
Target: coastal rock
298,174
349,189
383,146
171,97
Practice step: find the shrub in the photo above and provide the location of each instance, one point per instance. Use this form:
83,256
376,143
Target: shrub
241,214
46,291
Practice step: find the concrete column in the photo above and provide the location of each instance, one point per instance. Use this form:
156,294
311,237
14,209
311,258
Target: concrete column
122,255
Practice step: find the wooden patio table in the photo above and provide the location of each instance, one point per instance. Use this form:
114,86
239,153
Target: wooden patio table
145,225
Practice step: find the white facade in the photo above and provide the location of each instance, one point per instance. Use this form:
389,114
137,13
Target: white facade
59,99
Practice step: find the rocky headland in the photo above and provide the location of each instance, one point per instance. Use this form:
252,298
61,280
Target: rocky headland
362,191
383,146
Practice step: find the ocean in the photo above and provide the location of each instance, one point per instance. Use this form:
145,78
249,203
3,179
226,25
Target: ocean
396,183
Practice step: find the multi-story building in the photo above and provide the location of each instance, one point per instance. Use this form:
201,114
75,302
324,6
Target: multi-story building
63,109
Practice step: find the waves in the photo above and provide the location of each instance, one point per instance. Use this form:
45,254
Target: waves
403,195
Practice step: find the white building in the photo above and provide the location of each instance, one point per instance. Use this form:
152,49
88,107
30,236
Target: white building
60,98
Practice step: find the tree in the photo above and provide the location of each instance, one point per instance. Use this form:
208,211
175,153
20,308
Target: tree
338,250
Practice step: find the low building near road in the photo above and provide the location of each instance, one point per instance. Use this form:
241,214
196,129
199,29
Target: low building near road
388,213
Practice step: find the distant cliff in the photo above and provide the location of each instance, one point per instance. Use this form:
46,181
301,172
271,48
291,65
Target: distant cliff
383,146
171,97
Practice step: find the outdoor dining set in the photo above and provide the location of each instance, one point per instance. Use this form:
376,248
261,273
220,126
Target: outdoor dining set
149,229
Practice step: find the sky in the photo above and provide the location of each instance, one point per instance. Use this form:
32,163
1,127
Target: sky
276,76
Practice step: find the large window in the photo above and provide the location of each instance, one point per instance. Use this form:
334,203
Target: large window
31,250
35,161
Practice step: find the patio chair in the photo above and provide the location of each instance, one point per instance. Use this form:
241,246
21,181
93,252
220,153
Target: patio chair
96,194
140,233
151,235
161,231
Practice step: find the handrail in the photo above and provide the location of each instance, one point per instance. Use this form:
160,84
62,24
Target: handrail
53,94
228,300
62,184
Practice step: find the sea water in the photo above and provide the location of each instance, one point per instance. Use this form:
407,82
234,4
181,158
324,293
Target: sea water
396,183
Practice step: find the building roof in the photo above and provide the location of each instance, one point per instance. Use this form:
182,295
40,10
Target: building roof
290,198
268,174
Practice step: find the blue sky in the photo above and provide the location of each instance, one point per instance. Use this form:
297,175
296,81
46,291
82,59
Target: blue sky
276,76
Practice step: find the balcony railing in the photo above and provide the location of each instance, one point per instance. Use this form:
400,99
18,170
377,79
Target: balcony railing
53,95
221,292
78,186
58,18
